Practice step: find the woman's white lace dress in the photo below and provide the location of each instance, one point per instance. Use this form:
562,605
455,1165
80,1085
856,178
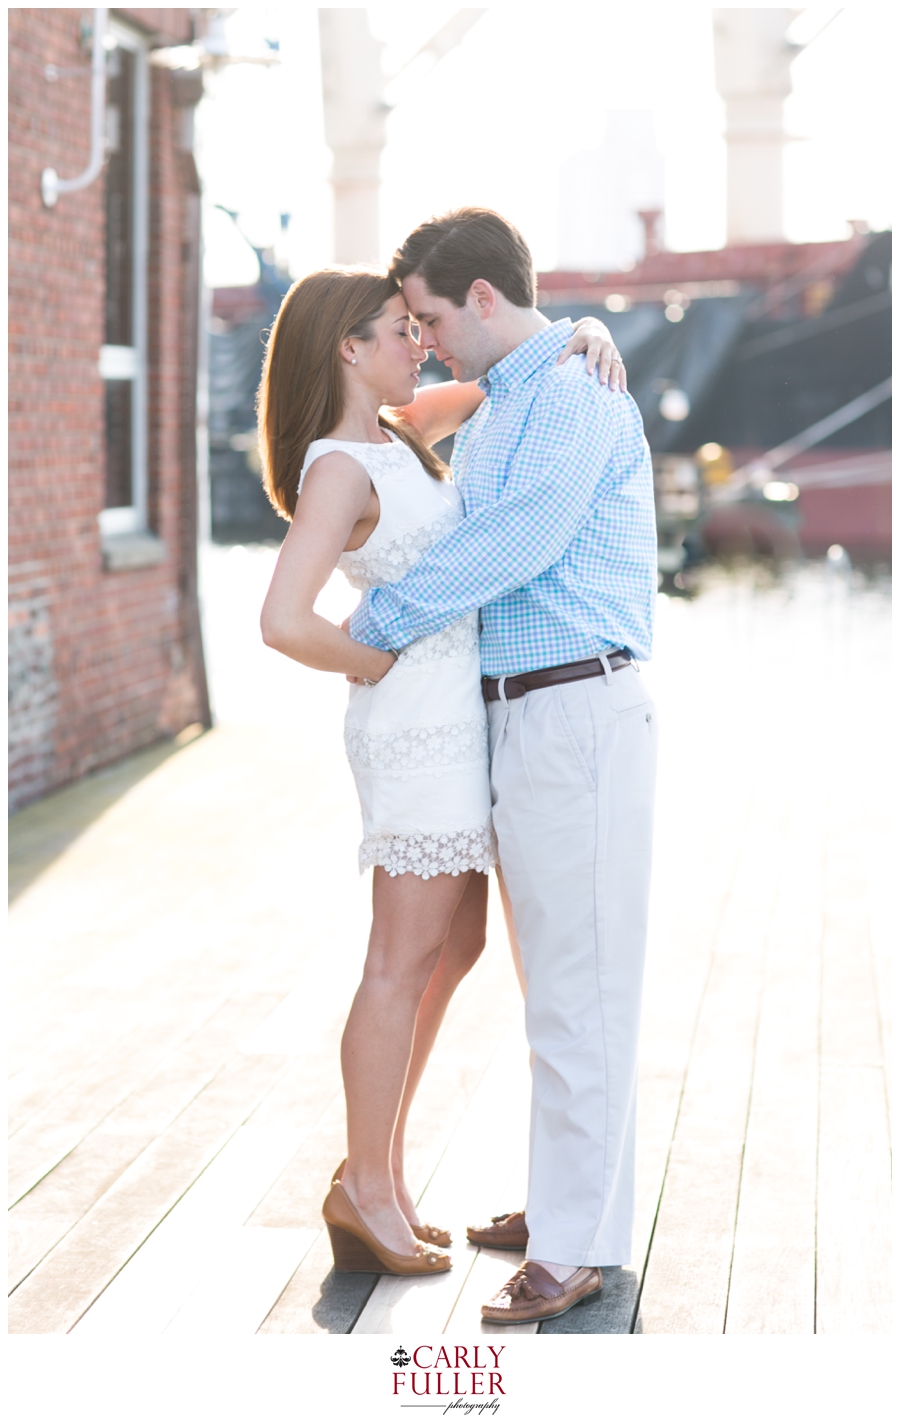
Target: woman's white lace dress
417,741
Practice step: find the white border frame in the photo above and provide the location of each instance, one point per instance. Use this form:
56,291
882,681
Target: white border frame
133,518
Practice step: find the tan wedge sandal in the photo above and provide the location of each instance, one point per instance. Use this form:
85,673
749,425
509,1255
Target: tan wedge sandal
428,1233
355,1248
432,1234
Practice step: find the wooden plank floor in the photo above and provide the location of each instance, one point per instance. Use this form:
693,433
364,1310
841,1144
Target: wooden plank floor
188,929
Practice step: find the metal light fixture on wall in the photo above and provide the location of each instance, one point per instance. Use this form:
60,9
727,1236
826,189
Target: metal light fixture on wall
52,185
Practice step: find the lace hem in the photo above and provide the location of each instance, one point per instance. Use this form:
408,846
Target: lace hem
373,566
433,750
453,853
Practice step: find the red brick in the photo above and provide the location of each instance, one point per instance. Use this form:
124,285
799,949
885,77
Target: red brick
100,663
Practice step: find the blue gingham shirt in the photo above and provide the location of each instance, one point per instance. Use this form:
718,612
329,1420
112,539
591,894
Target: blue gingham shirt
558,546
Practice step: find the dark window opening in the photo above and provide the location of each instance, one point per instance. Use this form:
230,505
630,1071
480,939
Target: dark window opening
120,198
118,444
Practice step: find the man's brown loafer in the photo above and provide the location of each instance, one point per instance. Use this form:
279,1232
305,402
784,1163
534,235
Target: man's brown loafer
503,1232
532,1294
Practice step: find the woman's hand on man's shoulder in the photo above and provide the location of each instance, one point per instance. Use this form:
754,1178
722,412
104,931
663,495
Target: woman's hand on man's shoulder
593,340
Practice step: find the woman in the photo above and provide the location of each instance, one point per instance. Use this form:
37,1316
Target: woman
346,447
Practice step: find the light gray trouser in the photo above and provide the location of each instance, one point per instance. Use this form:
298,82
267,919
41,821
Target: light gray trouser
572,779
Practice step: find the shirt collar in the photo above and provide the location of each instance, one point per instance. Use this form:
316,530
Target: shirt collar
526,358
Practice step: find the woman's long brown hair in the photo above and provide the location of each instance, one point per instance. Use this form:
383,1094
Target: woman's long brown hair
301,395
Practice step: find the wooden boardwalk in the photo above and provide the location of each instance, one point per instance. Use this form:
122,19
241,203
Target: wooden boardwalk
188,930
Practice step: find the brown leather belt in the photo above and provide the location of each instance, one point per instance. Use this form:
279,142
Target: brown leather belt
515,686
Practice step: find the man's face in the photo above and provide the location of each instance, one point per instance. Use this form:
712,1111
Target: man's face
457,334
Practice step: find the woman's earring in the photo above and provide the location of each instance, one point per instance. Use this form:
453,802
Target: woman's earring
353,361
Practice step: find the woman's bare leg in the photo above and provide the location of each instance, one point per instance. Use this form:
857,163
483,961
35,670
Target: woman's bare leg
460,953
511,930
410,924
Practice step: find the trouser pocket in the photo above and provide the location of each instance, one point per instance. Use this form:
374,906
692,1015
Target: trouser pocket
576,726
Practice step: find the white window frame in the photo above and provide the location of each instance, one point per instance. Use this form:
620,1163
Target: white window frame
130,362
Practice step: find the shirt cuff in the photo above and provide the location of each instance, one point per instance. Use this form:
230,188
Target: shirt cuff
363,628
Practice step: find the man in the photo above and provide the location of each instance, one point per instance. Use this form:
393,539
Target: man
558,549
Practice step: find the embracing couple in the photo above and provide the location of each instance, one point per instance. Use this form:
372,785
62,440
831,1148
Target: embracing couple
496,717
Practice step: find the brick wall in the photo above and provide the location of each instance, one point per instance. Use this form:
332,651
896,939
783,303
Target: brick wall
166,26
101,663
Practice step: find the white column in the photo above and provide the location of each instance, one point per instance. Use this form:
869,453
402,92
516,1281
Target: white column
753,59
355,129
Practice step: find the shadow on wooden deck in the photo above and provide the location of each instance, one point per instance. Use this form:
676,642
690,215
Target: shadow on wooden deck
612,1311
40,833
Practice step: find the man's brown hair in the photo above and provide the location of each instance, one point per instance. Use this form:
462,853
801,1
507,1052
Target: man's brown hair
452,251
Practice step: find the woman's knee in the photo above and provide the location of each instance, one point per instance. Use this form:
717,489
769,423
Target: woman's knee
407,976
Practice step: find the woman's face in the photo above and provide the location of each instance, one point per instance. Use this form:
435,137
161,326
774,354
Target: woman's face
389,361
